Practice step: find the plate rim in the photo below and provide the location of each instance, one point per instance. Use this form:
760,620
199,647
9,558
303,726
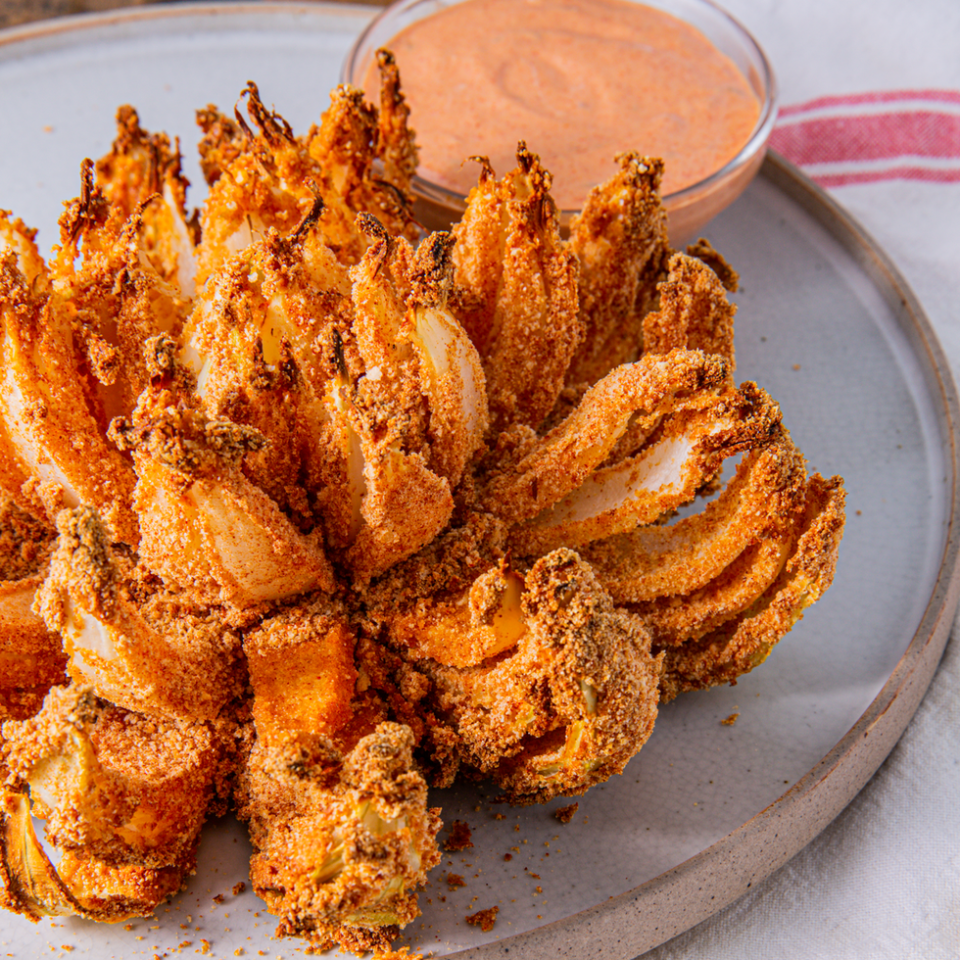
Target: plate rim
176,10
678,899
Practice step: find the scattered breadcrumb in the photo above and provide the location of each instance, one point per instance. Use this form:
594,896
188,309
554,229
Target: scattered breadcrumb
731,720
484,919
239,888
459,838
566,814
454,880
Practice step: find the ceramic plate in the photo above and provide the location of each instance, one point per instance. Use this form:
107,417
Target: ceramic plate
825,324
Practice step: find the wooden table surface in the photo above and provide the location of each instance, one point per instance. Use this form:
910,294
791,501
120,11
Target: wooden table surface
13,12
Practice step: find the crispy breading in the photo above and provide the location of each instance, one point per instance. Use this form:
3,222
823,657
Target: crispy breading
743,642
511,262
569,703
693,312
31,657
123,797
318,484
269,178
547,469
620,241
204,525
137,642
763,501
684,455
341,831
51,421
397,147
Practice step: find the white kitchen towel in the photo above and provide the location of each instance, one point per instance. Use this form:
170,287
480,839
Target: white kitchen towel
870,108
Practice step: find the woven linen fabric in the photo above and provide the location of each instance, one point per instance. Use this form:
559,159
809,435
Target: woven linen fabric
870,108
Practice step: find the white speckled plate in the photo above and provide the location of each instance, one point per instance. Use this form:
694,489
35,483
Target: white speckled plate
825,324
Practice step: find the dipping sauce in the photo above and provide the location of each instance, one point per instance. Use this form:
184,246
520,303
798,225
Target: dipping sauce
579,81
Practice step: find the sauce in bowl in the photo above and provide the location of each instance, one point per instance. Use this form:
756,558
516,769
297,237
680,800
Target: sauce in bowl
579,81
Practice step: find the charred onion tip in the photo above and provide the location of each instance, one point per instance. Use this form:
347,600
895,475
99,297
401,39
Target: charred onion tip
525,158
438,245
338,357
372,227
244,126
312,215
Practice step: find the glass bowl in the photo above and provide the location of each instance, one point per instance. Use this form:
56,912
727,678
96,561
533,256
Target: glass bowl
688,209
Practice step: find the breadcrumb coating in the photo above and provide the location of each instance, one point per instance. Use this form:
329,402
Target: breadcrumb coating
123,796
620,241
342,510
511,263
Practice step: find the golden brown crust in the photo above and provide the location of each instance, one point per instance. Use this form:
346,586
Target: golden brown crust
123,796
342,840
139,643
568,703
31,657
511,263
704,250
763,501
47,408
620,241
547,469
320,530
694,312
397,147
744,642
683,456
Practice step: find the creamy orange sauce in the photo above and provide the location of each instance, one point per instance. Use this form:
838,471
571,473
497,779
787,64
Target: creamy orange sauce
580,81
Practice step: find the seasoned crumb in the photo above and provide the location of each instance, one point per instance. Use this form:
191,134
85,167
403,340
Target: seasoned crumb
558,685
484,919
731,720
459,838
